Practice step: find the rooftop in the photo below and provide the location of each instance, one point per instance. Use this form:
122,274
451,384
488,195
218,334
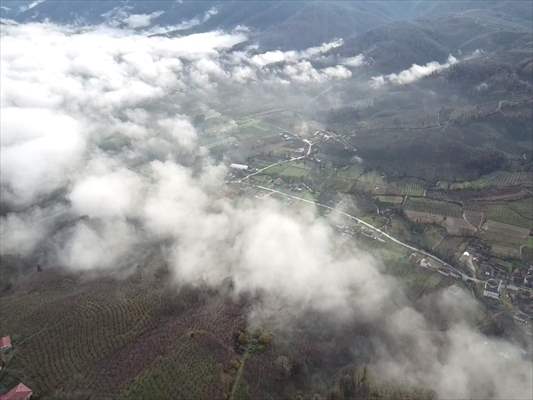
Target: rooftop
5,342
19,392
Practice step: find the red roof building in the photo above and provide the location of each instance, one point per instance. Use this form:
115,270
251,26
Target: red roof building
5,343
19,392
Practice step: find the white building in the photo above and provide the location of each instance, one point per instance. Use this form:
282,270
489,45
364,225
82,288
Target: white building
492,289
240,167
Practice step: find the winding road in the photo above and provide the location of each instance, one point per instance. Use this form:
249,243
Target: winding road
309,148
352,217
371,227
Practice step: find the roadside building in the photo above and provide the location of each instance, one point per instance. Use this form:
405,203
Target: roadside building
521,317
239,167
5,343
19,392
492,289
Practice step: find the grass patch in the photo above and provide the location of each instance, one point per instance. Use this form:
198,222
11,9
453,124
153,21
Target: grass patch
188,372
291,170
523,207
498,179
434,207
392,200
507,214
407,187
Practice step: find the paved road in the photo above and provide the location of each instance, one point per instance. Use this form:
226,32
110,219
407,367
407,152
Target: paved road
309,148
353,217
371,227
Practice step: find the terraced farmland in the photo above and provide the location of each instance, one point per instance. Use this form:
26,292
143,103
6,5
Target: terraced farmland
406,187
390,200
433,207
523,207
293,170
75,331
496,179
192,370
512,213
76,338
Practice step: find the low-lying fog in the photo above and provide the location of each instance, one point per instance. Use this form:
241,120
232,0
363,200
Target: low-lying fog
100,160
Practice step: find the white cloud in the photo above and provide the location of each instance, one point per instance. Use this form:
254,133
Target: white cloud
21,233
292,56
40,149
183,25
136,21
337,72
412,74
355,61
104,114
111,194
102,244
33,4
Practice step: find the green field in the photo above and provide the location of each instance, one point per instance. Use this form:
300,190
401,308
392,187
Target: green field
103,339
407,187
190,371
523,207
352,172
59,336
512,213
496,179
393,199
432,236
253,128
434,207
291,170
372,182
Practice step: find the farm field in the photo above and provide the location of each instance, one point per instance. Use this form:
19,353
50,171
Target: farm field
433,207
508,232
433,236
512,213
496,179
133,340
76,330
451,247
292,170
75,339
191,370
350,173
372,182
524,207
406,187
390,200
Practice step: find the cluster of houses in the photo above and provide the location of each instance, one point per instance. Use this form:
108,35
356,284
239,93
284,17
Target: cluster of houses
428,263
495,279
492,289
20,391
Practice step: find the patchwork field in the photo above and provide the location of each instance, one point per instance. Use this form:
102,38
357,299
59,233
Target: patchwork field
291,171
496,179
433,207
94,339
193,369
518,213
105,339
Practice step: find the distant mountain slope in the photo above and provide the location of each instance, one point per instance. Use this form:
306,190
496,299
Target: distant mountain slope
397,46
445,25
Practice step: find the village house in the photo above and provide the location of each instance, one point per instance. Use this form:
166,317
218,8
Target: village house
19,392
492,289
5,343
